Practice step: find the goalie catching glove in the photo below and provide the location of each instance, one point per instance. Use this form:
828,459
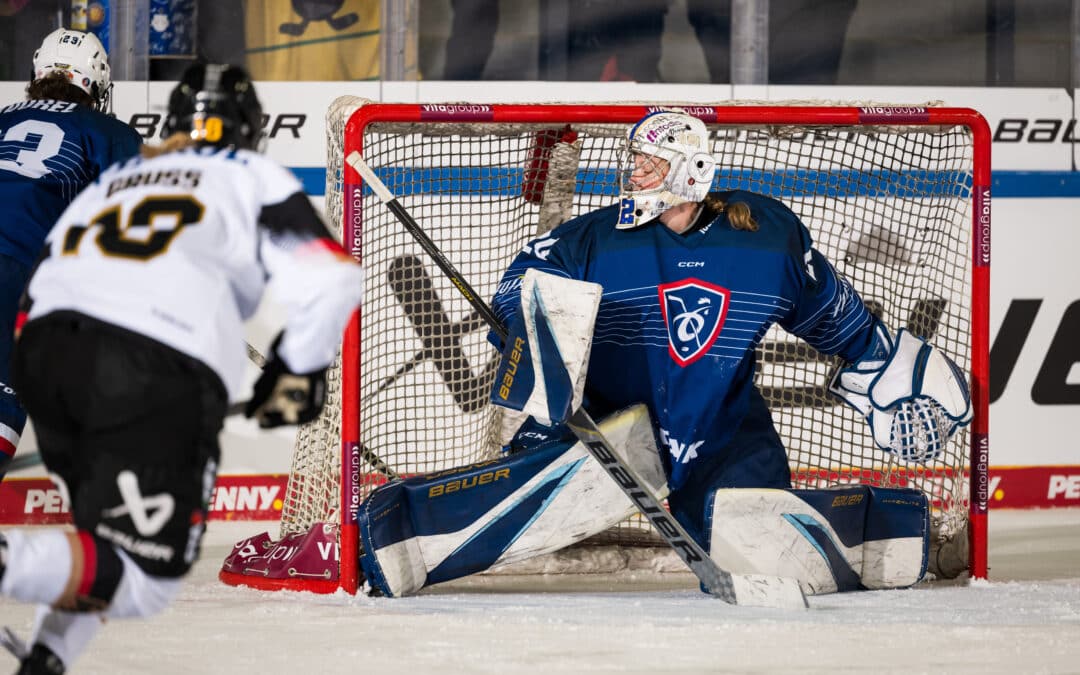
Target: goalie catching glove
283,397
912,395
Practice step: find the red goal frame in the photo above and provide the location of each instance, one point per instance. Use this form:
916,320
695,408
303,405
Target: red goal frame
352,185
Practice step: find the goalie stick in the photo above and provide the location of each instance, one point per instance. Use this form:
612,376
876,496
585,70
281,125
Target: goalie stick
750,590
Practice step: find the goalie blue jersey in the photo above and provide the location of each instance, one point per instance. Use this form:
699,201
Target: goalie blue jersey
50,151
681,314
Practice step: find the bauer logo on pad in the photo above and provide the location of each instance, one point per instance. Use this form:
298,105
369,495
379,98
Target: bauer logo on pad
694,312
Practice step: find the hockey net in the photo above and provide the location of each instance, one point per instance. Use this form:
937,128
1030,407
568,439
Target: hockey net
897,197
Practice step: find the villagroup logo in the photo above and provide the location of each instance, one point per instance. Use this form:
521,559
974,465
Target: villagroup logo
893,114
694,312
457,112
705,113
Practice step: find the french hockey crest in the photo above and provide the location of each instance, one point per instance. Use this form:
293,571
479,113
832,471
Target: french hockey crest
694,312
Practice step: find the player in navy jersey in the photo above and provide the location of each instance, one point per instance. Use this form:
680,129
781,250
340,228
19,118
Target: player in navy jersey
134,346
692,280
51,146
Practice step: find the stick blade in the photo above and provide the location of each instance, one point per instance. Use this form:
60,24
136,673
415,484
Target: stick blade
24,460
759,590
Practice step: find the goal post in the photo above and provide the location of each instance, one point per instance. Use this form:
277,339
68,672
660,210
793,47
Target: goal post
897,197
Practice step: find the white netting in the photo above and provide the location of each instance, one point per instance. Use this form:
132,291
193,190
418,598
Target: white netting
890,206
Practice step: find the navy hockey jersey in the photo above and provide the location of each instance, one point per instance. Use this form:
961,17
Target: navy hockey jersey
681,314
50,151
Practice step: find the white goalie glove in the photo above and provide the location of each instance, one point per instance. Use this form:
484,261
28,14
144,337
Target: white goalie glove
912,395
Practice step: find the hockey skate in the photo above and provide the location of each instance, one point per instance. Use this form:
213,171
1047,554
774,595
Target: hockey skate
38,660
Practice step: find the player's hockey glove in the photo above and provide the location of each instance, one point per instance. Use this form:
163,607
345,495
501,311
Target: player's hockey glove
912,395
284,397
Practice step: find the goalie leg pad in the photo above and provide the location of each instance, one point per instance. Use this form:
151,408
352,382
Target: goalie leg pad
840,539
442,526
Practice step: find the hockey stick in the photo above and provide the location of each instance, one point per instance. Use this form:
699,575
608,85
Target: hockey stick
366,453
755,590
34,458
24,461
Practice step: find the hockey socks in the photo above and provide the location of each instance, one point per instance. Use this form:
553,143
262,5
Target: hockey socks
79,572
37,566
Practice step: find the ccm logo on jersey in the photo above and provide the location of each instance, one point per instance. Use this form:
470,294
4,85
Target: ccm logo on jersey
690,263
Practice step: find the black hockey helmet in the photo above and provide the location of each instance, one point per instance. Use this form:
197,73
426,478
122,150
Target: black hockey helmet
217,105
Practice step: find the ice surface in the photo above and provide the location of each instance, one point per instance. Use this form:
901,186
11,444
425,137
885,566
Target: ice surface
1025,620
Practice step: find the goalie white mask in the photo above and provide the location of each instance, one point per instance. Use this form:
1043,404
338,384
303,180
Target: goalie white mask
666,162
81,58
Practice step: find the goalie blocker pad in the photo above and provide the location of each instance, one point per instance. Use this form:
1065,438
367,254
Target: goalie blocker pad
442,526
546,352
839,539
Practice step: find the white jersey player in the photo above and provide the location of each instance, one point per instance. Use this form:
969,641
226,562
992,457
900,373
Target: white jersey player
134,346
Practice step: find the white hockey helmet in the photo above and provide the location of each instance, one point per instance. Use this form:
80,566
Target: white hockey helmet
81,58
682,142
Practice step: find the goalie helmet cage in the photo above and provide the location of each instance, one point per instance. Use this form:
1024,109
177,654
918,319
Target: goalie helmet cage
898,197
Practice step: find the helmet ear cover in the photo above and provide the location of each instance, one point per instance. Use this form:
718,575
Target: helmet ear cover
680,139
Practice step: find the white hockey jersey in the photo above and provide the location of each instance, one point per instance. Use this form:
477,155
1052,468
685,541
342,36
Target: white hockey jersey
180,248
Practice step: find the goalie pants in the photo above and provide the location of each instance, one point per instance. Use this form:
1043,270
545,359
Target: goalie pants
754,458
130,426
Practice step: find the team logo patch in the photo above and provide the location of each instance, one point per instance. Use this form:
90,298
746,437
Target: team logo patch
694,313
